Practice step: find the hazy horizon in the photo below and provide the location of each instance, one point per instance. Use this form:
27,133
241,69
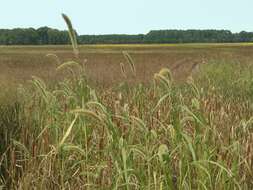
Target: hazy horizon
131,17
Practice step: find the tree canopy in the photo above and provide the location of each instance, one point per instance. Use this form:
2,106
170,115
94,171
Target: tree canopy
46,35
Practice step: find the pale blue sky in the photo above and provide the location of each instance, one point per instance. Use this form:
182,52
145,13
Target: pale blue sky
129,16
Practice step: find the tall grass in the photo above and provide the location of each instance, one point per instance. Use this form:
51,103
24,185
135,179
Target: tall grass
164,135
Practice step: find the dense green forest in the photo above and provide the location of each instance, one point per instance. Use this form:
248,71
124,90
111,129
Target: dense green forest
46,35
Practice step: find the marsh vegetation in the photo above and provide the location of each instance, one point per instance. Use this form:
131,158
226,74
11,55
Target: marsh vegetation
184,125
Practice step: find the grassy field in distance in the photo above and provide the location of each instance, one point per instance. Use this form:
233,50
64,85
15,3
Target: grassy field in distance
160,117
18,63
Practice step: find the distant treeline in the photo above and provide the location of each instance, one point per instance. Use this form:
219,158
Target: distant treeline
46,35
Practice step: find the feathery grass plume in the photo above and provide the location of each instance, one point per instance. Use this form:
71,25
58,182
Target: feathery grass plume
130,61
166,73
40,86
164,76
68,131
123,71
162,79
201,121
39,81
55,57
86,112
72,34
98,105
67,64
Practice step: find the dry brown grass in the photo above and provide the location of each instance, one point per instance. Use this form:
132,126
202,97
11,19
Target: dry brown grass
19,63
195,135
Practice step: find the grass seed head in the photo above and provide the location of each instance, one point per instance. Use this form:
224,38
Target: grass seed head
72,34
130,61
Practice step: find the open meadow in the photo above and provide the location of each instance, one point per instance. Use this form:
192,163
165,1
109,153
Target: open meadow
127,117
19,63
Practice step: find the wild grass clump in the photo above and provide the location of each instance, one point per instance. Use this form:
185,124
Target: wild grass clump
163,135
231,79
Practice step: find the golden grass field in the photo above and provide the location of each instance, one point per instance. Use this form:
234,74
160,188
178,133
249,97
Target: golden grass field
19,63
182,120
